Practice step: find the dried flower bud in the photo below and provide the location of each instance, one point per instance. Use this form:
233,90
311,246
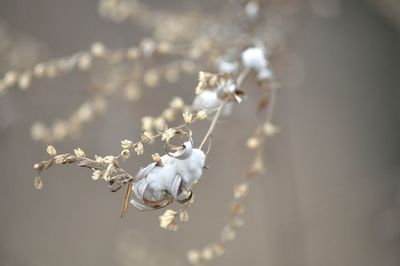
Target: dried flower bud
39,131
169,115
270,129
201,115
147,123
177,103
96,175
132,92
218,249
228,234
253,143
237,208
187,117
183,216
151,78
109,159
51,71
204,78
193,256
167,220
39,70
51,151
147,137
98,49
240,191
156,157
126,144
109,170
207,253
38,183
164,47
125,153
10,78
85,112
139,149
85,62
24,80
133,53
79,152
99,159
168,134
237,222
159,123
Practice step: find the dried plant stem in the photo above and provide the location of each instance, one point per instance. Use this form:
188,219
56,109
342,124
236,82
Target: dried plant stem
242,76
213,124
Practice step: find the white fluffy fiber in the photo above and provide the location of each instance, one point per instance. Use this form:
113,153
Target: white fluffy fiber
154,182
208,100
254,58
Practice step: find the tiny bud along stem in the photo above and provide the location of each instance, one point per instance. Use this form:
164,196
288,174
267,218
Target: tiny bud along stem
212,126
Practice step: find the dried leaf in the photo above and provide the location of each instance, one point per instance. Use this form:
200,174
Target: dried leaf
125,204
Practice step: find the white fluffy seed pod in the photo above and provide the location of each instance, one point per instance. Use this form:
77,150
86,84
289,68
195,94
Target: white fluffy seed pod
208,100
227,67
254,58
158,185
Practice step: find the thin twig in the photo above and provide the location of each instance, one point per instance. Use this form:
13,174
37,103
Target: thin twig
212,126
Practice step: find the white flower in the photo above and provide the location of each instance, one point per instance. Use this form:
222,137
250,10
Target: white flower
254,58
157,186
227,67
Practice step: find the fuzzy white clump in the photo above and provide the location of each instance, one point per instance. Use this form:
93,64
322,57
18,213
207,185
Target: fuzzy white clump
254,58
252,9
208,100
227,67
174,178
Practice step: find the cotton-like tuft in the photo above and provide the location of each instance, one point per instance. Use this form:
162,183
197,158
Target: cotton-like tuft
157,185
254,58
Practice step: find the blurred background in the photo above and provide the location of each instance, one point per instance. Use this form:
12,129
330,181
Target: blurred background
331,195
